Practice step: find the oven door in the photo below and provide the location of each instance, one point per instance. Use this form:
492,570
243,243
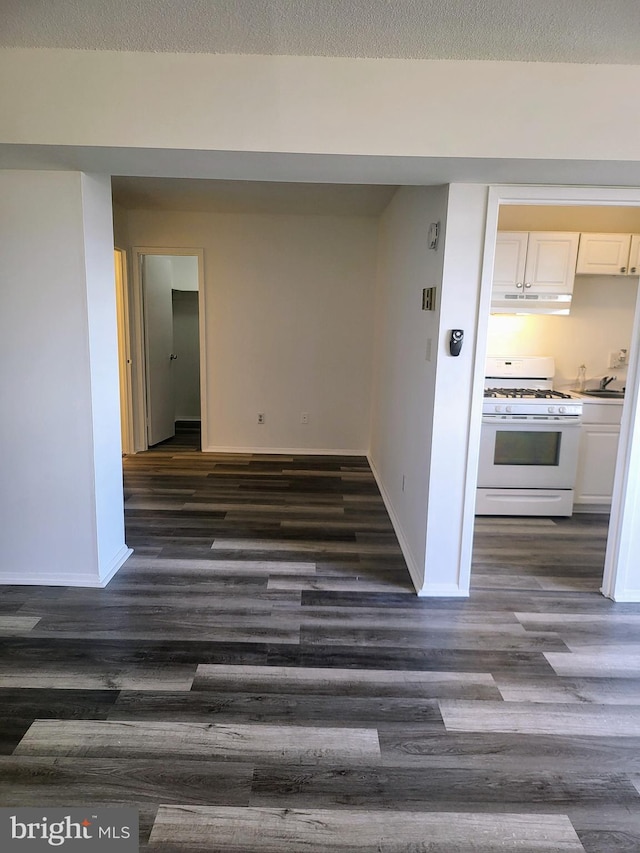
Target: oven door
528,454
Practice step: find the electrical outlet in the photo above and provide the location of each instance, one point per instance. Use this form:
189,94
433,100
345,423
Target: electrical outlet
304,417
260,417
618,359
428,349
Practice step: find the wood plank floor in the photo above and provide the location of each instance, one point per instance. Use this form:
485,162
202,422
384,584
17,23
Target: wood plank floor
261,678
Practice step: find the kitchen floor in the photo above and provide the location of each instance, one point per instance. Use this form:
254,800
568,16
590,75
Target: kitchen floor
260,676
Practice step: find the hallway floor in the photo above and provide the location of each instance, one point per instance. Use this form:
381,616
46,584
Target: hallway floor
260,677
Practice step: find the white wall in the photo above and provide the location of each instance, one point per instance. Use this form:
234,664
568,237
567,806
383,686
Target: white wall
421,408
404,380
99,276
184,272
61,497
120,230
600,322
288,324
320,105
455,436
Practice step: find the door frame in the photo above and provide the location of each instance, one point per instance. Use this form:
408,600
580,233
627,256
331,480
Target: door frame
124,349
139,384
620,581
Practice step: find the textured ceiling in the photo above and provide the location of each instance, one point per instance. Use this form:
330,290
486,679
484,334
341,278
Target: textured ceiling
589,31
210,196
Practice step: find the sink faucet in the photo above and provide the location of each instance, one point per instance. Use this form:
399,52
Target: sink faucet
605,381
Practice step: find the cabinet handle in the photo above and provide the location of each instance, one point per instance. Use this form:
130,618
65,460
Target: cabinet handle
518,284
623,269
527,284
633,269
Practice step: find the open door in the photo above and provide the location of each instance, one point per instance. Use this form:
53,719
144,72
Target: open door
158,326
124,353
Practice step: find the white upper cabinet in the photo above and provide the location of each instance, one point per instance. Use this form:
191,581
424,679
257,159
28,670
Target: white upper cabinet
534,271
609,254
634,255
551,261
510,259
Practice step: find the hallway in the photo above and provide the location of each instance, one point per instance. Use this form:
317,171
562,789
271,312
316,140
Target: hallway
260,675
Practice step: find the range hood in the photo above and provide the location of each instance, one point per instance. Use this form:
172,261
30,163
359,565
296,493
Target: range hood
508,302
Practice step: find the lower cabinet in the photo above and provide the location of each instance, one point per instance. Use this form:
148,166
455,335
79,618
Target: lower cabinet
599,436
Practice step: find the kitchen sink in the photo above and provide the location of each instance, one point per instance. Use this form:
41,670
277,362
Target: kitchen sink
607,393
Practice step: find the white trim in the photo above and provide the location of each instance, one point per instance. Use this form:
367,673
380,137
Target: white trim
412,565
116,563
626,496
203,347
138,252
287,451
475,411
625,501
628,595
442,590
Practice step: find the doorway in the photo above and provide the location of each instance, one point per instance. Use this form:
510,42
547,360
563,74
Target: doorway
170,384
554,203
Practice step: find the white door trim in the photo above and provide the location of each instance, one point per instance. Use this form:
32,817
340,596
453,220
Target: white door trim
139,385
621,580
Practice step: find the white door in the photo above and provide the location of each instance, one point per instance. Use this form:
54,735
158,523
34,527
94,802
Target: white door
158,326
124,353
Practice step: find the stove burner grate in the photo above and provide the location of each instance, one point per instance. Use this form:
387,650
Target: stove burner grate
534,393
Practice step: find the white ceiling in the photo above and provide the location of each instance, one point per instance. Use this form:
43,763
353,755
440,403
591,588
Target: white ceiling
588,31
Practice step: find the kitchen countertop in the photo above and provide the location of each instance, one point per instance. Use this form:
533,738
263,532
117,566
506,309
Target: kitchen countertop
607,401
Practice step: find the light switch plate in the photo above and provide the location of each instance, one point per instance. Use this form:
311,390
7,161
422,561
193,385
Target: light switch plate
429,299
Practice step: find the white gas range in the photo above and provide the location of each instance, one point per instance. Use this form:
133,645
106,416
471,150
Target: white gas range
529,440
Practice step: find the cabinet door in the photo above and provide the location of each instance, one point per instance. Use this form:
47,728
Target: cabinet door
509,263
603,254
551,261
634,255
596,463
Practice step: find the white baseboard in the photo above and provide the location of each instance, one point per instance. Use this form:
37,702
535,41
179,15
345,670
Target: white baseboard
288,451
90,581
593,508
630,596
442,591
121,557
412,565
45,579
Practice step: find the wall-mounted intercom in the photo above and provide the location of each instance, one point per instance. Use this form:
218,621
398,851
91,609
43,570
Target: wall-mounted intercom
455,341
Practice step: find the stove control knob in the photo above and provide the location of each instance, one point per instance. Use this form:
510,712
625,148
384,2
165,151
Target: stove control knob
562,410
508,409
551,409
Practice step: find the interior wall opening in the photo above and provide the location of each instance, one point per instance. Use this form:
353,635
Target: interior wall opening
588,350
170,346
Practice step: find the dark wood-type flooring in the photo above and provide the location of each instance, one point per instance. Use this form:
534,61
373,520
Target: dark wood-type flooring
261,678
